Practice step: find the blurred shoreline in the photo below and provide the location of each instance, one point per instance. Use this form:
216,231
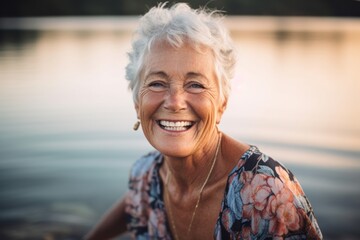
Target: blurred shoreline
234,23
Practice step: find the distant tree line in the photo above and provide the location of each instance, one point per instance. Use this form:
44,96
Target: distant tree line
13,8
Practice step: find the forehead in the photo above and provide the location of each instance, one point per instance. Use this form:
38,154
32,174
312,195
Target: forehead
163,57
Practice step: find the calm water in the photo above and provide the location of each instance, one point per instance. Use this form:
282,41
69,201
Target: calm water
66,139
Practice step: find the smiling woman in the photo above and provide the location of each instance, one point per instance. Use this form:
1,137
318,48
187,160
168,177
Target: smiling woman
179,102
199,183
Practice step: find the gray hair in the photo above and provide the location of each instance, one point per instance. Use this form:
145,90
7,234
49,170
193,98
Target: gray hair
174,25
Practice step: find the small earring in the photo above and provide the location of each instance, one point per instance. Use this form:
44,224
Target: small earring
136,126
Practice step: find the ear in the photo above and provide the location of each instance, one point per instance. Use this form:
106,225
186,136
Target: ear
221,110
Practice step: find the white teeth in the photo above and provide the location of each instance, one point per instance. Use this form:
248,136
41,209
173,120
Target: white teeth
175,126
179,124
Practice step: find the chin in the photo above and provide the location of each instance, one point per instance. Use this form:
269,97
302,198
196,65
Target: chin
173,150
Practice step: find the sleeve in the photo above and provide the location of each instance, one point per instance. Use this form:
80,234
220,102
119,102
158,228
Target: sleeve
274,204
137,197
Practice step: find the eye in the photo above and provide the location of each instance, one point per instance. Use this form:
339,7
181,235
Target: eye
157,86
195,87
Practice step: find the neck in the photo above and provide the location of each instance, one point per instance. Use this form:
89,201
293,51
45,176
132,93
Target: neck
188,173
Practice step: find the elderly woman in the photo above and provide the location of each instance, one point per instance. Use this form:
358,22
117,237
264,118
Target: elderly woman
199,183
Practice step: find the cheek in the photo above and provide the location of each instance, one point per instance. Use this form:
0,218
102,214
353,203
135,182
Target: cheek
148,103
206,109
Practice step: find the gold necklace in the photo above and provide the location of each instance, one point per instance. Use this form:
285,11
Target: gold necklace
200,193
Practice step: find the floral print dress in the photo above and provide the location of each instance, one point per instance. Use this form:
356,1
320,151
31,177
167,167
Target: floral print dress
262,200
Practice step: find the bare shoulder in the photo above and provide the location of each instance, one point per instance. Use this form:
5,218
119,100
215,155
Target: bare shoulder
231,152
232,149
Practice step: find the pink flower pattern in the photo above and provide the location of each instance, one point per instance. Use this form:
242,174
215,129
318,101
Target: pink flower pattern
262,200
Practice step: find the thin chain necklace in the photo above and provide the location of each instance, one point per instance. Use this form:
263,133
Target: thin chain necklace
200,193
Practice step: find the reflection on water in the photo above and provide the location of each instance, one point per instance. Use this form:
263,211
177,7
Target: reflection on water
66,139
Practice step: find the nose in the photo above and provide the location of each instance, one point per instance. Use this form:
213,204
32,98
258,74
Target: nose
175,99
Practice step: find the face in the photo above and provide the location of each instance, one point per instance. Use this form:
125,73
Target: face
179,100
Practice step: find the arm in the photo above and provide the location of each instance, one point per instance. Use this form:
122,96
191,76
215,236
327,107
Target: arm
112,224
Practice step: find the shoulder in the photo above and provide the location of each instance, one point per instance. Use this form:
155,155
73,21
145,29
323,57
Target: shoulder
261,178
144,206
260,169
265,199
144,164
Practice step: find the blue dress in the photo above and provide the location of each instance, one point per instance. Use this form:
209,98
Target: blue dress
262,200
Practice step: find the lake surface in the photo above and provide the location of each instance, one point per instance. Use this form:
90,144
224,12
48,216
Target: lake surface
66,117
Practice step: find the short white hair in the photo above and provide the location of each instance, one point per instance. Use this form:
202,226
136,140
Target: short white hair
175,25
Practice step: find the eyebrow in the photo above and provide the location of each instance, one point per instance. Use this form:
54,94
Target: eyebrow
158,74
164,75
196,74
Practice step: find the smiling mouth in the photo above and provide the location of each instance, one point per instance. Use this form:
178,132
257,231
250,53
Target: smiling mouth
176,126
